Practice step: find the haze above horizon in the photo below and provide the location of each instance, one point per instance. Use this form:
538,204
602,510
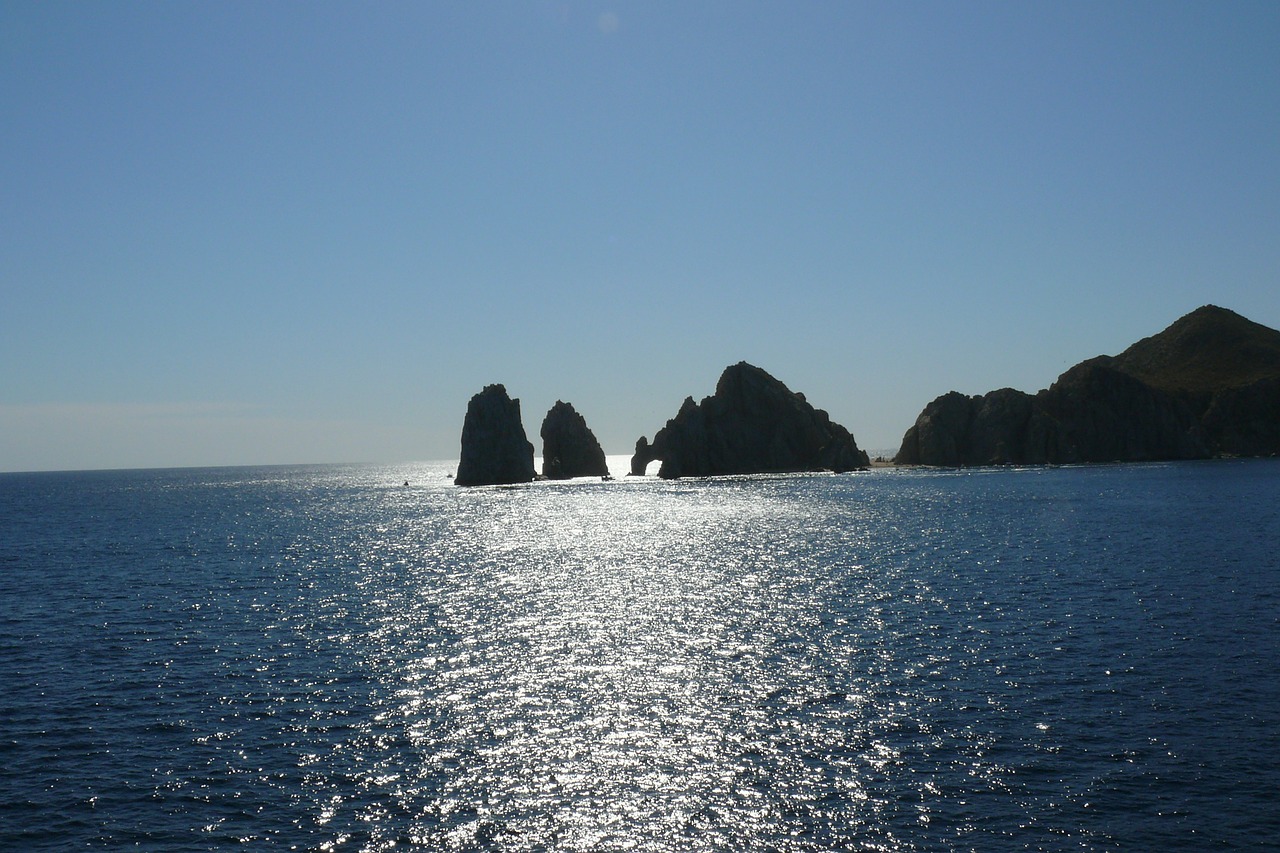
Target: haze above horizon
244,233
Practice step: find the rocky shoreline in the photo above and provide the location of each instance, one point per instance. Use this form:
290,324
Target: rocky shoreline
1207,386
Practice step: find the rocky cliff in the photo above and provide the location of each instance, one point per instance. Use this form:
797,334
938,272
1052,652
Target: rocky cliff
495,449
1207,385
569,448
752,424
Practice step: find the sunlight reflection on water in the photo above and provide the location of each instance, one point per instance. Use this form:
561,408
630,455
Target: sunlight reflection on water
328,659
653,664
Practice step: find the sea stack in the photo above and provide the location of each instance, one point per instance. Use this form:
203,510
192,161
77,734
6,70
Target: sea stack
569,448
495,450
1209,385
753,424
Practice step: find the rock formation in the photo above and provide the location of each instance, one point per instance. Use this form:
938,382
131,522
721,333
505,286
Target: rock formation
753,424
495,449
1207,385
569,448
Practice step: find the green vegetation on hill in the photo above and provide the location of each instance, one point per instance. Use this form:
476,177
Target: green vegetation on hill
1208,350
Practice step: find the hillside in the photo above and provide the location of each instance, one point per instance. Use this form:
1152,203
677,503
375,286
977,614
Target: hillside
1208,350
1208,385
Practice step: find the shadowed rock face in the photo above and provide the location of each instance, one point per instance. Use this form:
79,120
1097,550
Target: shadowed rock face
569,448
1095,413
752,424
495,449
955,430
1245,421
1208,385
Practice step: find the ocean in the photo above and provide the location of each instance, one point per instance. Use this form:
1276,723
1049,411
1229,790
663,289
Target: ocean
368,658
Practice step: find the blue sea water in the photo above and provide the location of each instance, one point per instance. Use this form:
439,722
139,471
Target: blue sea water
324,658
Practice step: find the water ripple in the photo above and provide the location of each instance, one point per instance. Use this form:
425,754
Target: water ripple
322,658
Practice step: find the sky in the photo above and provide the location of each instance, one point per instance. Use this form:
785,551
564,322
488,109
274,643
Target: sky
242,233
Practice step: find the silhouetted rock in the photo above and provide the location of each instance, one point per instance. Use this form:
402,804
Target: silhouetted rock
956,430
752,424
495,449
1207,385
569,448
642,457
1096,413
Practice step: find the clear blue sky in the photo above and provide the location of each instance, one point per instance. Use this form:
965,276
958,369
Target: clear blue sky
244,232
